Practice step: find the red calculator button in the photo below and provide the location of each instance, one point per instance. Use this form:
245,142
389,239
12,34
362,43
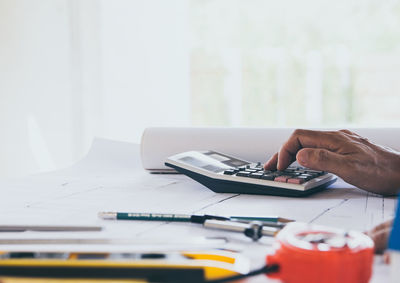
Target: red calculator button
295,181
282,179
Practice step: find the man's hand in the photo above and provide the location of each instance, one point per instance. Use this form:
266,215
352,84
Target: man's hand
353,158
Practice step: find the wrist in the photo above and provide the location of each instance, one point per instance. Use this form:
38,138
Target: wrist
393,174
396,169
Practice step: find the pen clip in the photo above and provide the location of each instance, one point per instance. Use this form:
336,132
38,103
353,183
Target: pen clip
202,218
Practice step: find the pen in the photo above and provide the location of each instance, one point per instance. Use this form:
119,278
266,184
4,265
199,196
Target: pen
267,221
254,230
159,217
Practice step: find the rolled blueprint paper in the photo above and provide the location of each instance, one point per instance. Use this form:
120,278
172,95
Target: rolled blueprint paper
251,144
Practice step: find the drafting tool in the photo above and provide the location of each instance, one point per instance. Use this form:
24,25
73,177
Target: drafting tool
183,266
317,254
304,254
105,241
23,228
307,253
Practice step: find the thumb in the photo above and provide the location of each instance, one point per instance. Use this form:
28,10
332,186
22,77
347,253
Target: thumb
320,159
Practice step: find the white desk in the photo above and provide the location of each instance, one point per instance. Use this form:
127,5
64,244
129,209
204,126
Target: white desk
111,178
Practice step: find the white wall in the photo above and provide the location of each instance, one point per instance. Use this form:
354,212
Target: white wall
145,66
36,105
74,69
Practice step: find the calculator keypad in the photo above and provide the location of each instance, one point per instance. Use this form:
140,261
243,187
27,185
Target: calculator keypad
292,175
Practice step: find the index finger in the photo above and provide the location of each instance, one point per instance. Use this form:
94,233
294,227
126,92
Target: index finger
305,139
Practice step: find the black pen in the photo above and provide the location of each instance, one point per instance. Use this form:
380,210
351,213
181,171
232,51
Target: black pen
159,217
252,229
200,219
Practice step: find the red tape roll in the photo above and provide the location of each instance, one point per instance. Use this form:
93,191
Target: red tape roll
316,254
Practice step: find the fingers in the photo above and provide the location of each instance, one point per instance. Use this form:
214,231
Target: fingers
320,159
346,131
271,163
305,139
328,142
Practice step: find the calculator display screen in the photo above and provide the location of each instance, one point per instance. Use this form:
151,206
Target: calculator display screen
203,164
237,163
212,161
219,157
227,160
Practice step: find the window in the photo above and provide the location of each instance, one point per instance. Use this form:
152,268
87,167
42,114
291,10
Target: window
295,63
72,70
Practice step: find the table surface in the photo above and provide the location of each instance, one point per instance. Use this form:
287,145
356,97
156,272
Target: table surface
111,178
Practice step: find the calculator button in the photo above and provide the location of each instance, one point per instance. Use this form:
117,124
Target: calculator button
243,174
270,177
305,178
313,172
251,170
255,175
241,168
309,175
229,172
296,181
282,179
293,174
258,166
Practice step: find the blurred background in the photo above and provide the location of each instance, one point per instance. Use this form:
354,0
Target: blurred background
71,70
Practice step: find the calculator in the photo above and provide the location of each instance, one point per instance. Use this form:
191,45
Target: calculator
223,173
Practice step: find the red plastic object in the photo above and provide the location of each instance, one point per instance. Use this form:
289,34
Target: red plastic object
316,254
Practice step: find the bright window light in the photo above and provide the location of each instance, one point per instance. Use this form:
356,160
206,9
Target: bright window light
295,63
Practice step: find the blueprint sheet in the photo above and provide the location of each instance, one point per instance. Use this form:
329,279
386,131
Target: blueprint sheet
111,178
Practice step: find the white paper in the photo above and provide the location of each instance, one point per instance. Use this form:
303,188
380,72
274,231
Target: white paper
111,178
252,144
